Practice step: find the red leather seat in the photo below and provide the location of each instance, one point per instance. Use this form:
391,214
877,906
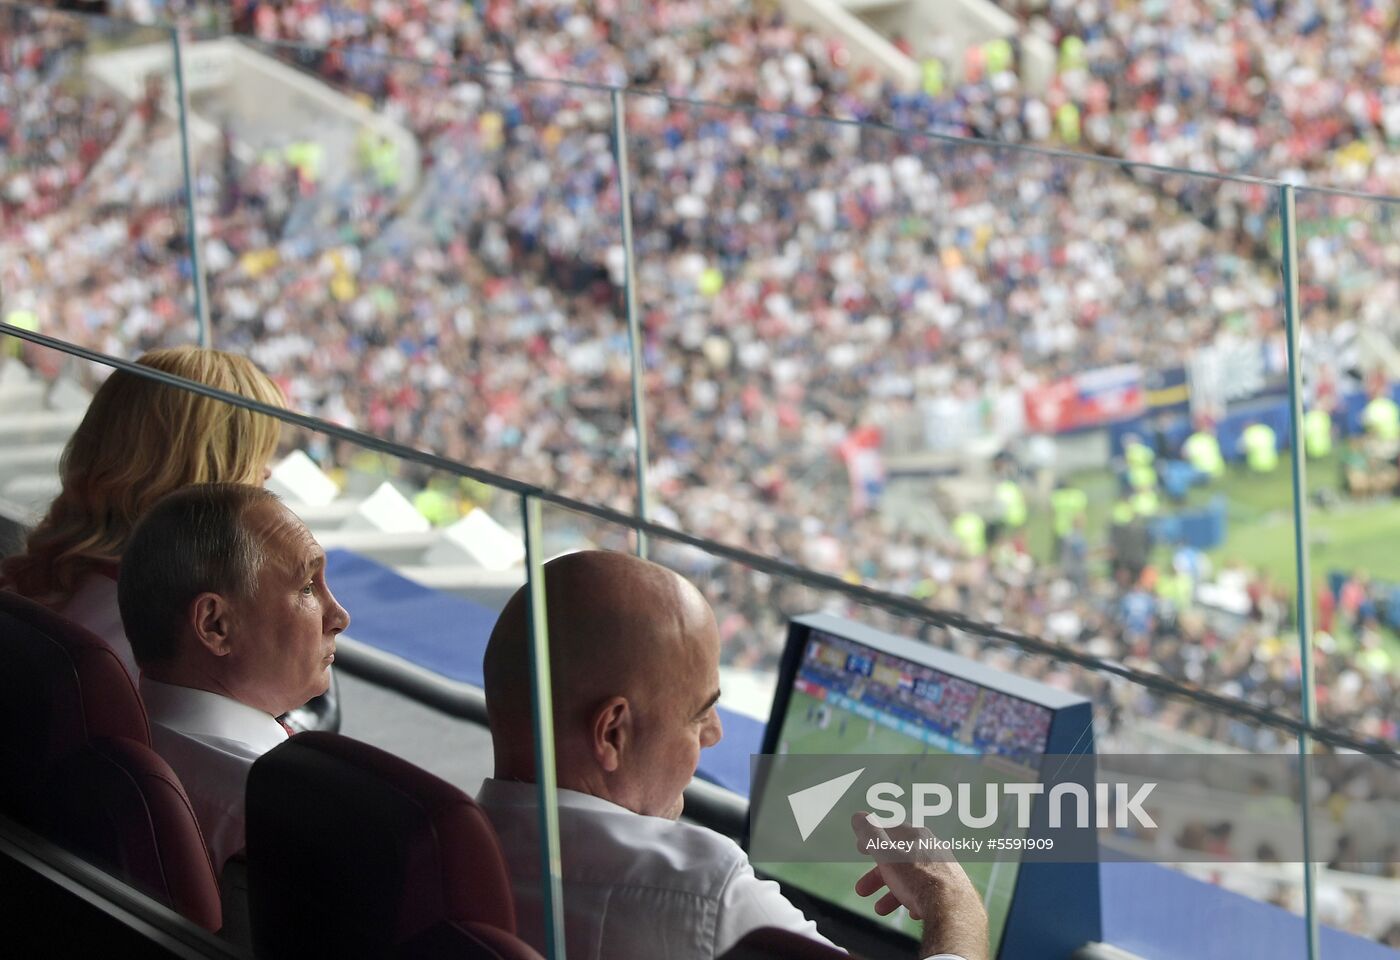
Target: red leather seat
117,804
770,943
75,747
353,851
60,686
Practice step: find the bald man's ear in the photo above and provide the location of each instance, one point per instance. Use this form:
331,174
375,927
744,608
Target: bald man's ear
611,732
209,618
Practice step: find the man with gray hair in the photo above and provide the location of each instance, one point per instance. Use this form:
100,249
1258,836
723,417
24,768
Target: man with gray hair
224,598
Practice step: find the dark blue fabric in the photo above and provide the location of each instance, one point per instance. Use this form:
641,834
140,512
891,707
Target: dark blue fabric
435,630
447,635
727,762
1155,911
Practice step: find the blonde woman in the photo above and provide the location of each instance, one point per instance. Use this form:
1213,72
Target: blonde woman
139,441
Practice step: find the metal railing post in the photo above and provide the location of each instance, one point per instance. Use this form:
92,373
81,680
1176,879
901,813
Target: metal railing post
634,326
1292,330
182,105
541,691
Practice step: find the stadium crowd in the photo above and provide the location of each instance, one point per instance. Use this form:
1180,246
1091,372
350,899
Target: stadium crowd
1304,92
1011,726
49,137
797,279
842,279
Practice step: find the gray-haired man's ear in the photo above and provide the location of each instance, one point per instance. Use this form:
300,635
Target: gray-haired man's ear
210,622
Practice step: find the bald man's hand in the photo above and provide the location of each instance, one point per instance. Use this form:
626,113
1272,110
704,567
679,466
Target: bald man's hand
936,891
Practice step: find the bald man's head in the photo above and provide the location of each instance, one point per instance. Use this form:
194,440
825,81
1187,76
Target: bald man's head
634,659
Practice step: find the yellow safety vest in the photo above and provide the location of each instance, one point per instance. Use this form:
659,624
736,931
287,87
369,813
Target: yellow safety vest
1071,54
1067,120
1382,417
1013,504
1317,434
933,77
971,529
1146,503
25,320
1068,503
997,56
436,506
1202,451
1260,448
1139,455
1142,477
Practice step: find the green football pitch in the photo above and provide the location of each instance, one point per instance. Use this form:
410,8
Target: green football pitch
835,882
1347,536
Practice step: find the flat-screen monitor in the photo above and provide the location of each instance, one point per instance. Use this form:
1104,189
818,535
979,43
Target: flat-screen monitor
845,688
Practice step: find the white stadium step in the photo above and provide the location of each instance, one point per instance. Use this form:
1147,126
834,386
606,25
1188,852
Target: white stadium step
21,397
388,511
297,480
31,494
461,576
388,548
40,426
332,515
40,459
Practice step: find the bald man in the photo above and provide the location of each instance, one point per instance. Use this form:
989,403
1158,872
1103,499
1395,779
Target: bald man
634,655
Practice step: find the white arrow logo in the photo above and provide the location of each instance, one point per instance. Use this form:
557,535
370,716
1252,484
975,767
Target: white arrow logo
810,806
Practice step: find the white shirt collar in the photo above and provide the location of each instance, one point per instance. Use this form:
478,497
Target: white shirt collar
513,793
200,713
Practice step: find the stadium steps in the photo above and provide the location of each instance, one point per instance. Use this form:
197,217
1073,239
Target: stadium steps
30,459
29,495
40,426
391,549
20,391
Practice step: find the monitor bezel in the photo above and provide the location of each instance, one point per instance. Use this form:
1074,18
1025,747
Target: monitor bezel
1068,712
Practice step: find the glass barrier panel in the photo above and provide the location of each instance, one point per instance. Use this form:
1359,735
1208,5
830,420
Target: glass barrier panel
427,254
44,394
1356,820
756,591
94,227
1346,250
1009,384
1346,245
1206,760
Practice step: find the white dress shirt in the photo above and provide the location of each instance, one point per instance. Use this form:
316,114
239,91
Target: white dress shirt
94,606
210,741
635,886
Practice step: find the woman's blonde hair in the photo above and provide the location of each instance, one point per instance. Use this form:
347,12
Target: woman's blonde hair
139,440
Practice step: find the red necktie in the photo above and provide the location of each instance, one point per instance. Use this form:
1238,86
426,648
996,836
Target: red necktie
290,731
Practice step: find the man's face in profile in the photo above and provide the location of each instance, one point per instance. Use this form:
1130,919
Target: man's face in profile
285,630
679,718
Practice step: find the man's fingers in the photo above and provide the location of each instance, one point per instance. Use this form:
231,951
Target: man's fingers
887,905
872,882
864,829
870,839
